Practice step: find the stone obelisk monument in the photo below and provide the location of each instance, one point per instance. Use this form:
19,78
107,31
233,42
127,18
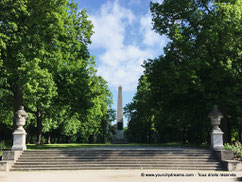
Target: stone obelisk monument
120,132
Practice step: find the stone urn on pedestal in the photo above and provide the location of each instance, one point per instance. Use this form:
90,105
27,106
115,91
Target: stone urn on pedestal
216,133
19,135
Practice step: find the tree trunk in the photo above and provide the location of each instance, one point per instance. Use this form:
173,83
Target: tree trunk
39,126
55,140
183,135
229,136
224,124
91,139
49,138
17,102
149,132
240,133
28,139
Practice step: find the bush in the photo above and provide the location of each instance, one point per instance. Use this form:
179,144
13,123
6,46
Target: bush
236,148
2,145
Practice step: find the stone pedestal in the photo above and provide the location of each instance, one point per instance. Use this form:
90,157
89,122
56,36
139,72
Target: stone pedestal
119,134
19,140
216,133
217,140
19,135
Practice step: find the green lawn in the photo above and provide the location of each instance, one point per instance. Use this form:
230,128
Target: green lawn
81,145
77,145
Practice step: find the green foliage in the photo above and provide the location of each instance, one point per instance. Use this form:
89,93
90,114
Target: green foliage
141,125
100,116
86,145
201,66
45,65
236,148
2,145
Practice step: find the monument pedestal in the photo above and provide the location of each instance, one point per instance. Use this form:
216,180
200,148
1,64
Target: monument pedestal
217,140
119,134
119,138
19,140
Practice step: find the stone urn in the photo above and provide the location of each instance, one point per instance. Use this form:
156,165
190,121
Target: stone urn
19,135
21,117
216,133
215,117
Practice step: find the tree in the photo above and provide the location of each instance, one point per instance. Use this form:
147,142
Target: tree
98,120
140,114
201,66
45,65
205,48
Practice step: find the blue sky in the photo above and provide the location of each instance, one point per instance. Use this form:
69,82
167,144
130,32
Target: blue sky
123,39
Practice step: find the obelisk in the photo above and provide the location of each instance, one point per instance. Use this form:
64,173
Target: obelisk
120,132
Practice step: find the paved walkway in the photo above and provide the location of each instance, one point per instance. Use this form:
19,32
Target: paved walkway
120,176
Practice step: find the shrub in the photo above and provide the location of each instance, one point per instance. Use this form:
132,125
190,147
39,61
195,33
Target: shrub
236,148
2,145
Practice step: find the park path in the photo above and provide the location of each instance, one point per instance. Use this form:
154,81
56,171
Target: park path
119,176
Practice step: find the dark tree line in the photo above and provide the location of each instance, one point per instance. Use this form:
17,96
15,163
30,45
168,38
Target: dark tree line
201,66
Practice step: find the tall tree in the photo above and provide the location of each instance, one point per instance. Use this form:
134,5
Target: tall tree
140,114
201,66
205,49
98,118
44,60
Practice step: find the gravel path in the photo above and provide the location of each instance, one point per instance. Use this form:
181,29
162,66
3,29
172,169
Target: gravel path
120,175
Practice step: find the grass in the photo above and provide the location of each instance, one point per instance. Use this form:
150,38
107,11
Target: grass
86,145
77,145
82,145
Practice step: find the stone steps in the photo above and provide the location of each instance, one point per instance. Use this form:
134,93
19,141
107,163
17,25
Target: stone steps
116,160
116,164
188,159
114,156
201,151
118,168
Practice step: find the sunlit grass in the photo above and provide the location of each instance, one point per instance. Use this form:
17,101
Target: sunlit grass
85,145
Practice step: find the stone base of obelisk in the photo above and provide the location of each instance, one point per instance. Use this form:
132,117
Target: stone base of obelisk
119,138
119,134
19,140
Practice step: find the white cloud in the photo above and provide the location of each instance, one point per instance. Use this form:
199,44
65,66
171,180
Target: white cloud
150,38
109,25
123,52
123,66
157,1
